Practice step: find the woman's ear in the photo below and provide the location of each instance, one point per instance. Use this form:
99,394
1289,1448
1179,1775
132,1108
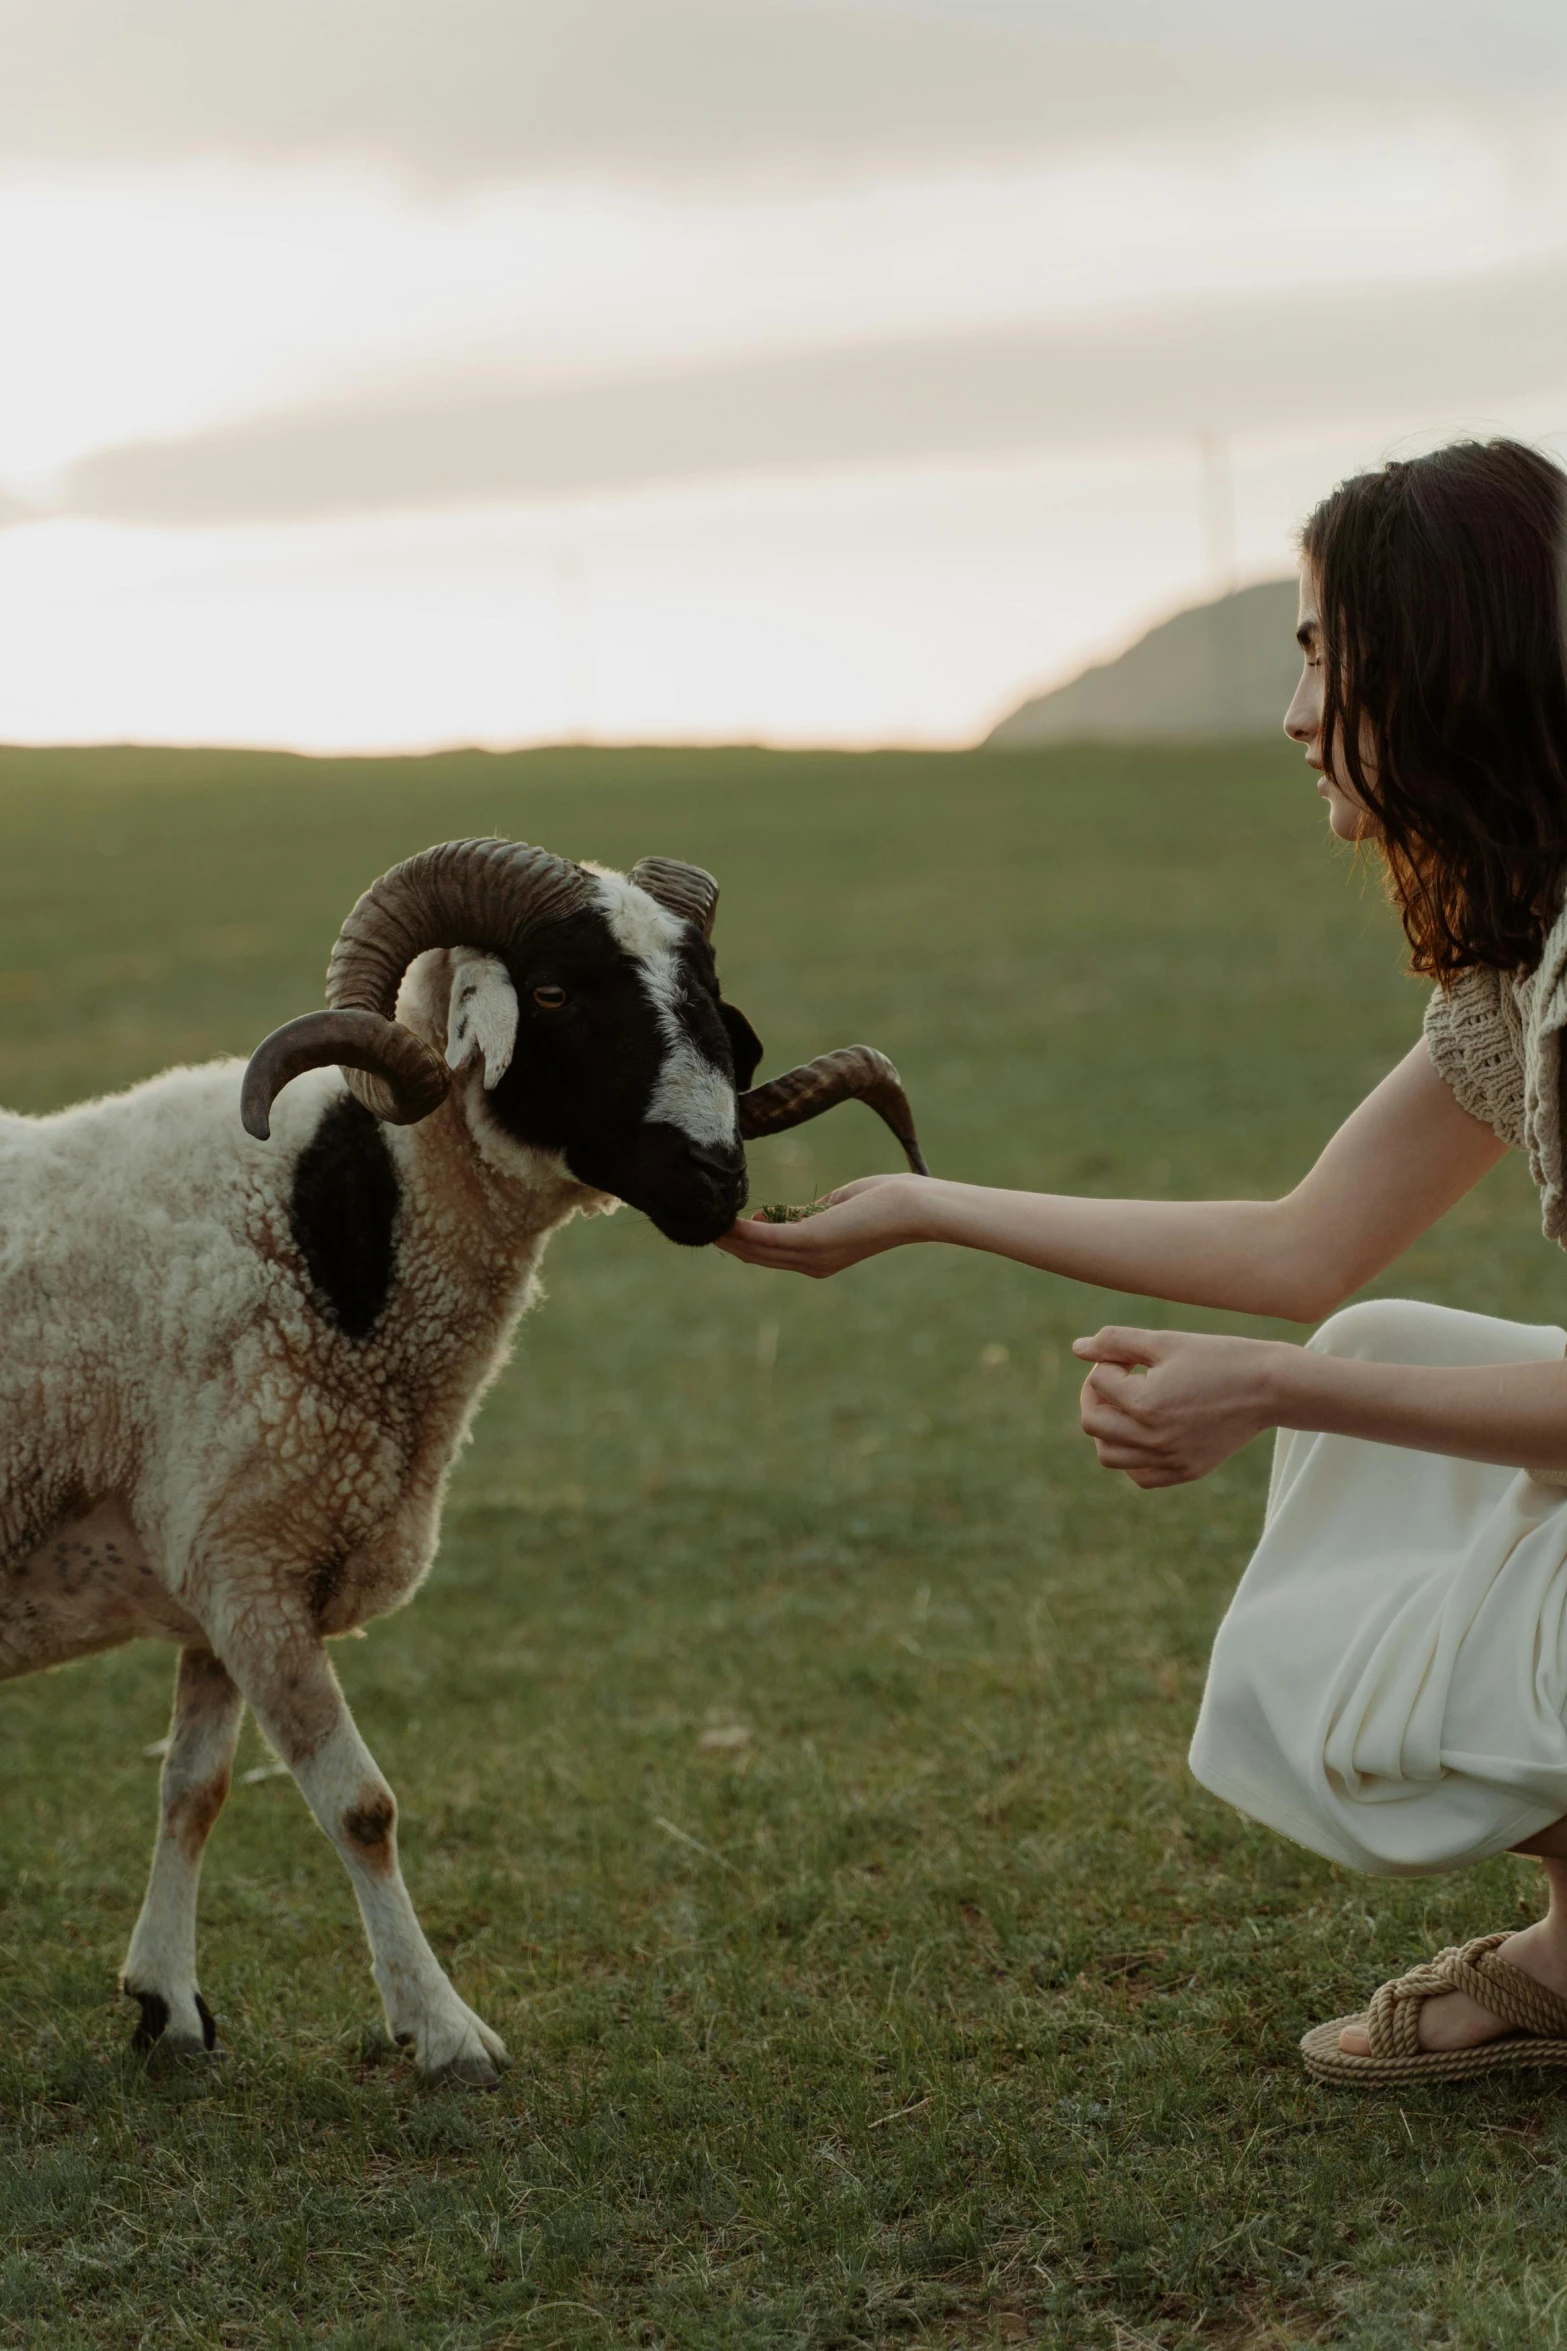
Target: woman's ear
482,1015
744,1044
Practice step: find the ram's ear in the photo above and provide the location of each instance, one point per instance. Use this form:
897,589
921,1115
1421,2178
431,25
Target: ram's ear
744,1044
482,1015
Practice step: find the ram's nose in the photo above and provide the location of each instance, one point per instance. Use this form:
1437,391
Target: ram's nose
722,1168
723,1161
692,1189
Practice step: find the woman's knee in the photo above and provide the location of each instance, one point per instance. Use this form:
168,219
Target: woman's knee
1378,1330
1410,1330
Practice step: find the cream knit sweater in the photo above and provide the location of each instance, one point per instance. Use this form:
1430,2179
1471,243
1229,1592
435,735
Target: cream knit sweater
1496,1037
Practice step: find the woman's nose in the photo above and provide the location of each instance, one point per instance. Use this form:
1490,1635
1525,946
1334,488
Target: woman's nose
1304,715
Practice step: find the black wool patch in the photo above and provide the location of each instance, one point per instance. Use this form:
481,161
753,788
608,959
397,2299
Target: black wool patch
343,1215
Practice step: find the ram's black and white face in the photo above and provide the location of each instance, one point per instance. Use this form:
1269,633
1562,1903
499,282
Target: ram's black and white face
604,1039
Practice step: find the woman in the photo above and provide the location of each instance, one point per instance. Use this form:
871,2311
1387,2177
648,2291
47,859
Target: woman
1390,1682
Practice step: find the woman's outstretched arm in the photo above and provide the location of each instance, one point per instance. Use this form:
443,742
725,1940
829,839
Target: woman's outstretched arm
1396,1165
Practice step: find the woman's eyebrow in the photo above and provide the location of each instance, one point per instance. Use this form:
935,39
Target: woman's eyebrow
1306,635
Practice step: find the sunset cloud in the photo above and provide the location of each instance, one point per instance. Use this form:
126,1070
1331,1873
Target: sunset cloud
1231,369
465,89
812,369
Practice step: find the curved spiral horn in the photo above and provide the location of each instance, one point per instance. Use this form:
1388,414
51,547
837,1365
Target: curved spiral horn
398,1062
854,1073
483,894
687,890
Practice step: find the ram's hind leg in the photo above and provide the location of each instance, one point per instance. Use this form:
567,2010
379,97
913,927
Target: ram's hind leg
294,1695
160,1967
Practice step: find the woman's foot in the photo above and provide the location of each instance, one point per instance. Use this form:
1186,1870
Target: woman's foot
1451,2020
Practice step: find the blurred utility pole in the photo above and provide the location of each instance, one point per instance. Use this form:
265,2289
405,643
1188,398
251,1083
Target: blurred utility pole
1218,511
576,646
1225,689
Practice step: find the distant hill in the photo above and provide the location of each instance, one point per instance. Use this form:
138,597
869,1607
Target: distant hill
1227,668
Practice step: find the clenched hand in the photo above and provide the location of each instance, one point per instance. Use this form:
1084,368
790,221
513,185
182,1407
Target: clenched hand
1168,1406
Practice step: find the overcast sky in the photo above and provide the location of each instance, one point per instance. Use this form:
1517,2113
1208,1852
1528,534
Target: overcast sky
391,372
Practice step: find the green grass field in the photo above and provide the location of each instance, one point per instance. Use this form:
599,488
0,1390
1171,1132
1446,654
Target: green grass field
928,2001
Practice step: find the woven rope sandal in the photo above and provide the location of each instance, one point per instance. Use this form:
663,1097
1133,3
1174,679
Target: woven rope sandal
1538,2018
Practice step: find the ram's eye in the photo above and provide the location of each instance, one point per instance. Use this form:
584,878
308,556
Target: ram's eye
549,998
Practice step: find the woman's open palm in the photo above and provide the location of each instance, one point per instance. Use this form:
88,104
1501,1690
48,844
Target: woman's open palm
861,1220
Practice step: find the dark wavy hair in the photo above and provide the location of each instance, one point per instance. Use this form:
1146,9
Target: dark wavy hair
1440,594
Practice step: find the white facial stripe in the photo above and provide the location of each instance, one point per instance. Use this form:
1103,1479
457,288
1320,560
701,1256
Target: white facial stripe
690,1094
637,922
694,1096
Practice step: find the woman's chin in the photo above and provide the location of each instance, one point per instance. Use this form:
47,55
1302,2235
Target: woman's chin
1346,821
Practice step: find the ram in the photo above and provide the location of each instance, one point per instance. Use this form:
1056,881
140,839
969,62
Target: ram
240,1358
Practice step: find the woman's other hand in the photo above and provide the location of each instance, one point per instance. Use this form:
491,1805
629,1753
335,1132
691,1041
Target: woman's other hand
860,1220
1168,1406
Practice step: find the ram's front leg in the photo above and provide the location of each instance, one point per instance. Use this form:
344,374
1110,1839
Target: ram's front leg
160,1967
294,1695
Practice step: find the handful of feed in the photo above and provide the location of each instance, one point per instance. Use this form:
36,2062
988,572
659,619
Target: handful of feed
781,1212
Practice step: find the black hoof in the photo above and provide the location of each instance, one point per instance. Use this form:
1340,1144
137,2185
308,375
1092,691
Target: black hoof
153,2024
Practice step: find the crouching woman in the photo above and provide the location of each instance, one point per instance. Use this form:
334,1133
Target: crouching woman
1390,1684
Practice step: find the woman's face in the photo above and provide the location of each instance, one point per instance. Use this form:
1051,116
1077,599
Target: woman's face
1303,723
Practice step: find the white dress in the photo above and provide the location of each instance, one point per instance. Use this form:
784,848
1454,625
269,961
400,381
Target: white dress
1389,1684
